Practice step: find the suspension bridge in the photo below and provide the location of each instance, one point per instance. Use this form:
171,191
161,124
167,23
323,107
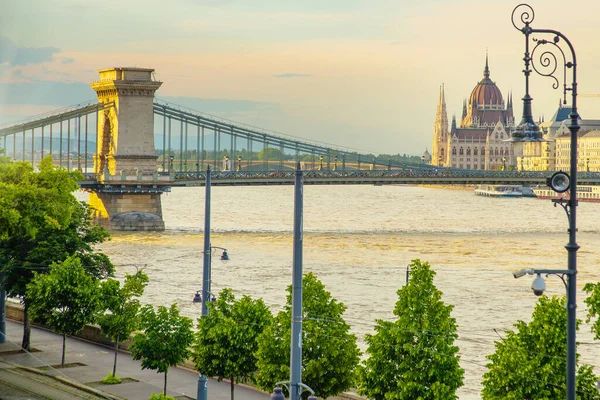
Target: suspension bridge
131,148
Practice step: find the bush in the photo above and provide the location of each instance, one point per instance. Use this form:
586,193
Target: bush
111,379
160,396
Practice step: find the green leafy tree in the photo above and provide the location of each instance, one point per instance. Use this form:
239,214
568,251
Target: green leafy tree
226,340
593,305
329,351
414,357
65,299
165,339
121,317
530,362
41,223
270,154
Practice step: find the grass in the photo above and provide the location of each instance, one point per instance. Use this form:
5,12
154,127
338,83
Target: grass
160,396
111,379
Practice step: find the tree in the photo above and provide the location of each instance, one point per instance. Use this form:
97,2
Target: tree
414,357
65,299
593,306
165,339
530,362
329,352
270,154
226,340
122,306
41,223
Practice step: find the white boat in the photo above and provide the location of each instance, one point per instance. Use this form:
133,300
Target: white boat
584,193
503,191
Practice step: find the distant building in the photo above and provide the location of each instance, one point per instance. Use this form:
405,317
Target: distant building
479,141
426,157
555,153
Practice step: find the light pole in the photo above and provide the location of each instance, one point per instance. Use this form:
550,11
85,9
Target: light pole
503,163
296,387
560,181
202,393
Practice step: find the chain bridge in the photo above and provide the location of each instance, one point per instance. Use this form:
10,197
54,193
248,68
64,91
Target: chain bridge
131,148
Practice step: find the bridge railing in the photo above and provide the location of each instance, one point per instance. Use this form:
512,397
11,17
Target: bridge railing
446,173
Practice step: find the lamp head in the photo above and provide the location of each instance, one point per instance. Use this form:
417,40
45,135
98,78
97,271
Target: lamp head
224,256
197,297
527,131
559,182
277,394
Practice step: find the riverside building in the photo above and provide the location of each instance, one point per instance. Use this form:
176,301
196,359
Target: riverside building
478,142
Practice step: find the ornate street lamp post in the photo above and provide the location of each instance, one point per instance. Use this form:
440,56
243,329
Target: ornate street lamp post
554,57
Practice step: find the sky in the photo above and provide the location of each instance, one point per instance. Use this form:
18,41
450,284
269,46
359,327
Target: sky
363,74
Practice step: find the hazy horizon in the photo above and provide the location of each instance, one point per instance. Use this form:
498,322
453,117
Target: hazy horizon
354,73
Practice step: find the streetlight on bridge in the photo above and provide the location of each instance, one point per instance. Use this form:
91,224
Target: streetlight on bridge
527,131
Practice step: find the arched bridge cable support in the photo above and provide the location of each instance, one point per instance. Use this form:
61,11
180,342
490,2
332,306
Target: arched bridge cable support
164,109
54,118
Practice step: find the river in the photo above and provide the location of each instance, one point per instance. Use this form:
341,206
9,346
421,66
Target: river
358,241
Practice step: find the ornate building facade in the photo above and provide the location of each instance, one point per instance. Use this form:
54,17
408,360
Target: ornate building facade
554,153
479,141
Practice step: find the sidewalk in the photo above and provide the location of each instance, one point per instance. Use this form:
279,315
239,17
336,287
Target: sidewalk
92,362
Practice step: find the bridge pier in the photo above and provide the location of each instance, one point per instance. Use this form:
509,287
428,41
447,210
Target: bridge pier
127,193
128,211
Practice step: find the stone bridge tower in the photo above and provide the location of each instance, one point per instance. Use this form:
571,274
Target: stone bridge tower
127,196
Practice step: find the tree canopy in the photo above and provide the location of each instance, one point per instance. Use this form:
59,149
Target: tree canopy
165,339
329,351
271,154
41,223
226,340
530,362
593,305
121,317
414,357
66,298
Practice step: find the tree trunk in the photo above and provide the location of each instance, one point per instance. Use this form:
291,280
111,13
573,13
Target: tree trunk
62,363
165,388
116,351
232,386
26,344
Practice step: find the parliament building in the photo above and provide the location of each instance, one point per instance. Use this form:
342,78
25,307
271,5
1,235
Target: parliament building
479,141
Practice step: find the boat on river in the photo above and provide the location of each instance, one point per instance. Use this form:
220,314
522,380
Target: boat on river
585,193
504,191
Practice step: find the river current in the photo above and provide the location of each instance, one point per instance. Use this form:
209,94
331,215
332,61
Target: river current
358,241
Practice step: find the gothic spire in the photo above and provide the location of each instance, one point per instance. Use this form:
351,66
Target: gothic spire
486,71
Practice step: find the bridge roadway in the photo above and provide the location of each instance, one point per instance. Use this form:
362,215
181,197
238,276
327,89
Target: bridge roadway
442,177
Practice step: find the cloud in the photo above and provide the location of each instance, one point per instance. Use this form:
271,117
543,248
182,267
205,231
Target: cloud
13,55
290,75
66,60
46,93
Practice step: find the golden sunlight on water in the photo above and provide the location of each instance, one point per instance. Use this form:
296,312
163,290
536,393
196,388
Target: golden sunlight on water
358,241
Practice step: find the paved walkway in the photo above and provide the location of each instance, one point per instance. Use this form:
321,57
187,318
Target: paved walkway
91,363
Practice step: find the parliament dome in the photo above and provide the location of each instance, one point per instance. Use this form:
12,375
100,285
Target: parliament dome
486,92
